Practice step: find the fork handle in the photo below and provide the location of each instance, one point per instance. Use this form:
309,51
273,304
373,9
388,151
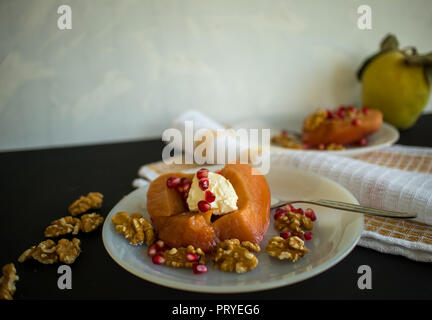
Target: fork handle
354,208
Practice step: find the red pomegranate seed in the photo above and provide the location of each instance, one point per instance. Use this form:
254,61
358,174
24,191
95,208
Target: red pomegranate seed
191,257
329,114
286,234
186,186
218,172
158,259
351,109
204,206
321,146
355,122
299,210
209,196
306,146
363,142
203,183
300,236
173,182
308,236
202,173
310,214
365,110
152,251
279,214
199,268
159,244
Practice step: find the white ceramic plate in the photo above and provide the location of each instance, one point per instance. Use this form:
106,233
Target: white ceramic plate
335,234
385,137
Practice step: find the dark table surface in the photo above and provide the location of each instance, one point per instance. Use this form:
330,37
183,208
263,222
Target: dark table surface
38,186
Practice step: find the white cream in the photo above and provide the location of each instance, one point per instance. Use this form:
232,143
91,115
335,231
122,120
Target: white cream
226,197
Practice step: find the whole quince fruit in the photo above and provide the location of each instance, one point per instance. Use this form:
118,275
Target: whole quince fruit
395,82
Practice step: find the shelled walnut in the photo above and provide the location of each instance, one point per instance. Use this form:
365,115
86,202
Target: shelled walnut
231,255
90,221
184,257
294,222
63,226
44,252
93,200
68,251
134,227
48,252
7,282
292,248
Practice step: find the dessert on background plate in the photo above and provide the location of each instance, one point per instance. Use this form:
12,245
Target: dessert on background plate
336,129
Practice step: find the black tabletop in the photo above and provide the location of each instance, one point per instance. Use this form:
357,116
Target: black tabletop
38,186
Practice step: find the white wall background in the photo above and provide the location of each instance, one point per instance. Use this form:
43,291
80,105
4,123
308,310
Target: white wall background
128,67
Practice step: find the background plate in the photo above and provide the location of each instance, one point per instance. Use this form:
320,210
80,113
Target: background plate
335,235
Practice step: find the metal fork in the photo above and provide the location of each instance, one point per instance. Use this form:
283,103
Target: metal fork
351,207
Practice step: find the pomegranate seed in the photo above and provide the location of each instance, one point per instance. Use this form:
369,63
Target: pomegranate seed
191,257
152,251
204,206
300,236
351,109
299,210
202,173
186,186
199,268
308,236
159,244
279,214
310,214
321,146
286,234
173,182
363,142
203,183
355,122
209,196
306,146
329,114
218,172
365,110
158,259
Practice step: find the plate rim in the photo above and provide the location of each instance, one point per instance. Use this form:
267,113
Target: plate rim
226,289
352,151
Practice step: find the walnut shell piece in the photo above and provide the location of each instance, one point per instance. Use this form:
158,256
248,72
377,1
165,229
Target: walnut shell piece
292,248
63,226
93,200
134,227
231,255
90,222
7,282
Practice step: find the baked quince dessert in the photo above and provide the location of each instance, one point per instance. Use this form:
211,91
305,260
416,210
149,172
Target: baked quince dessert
343,126
205,208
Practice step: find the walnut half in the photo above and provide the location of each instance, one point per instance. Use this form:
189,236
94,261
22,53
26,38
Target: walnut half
48,252
7,282
63,226
134,227
292,248
233,256
178,257
91,201
294,222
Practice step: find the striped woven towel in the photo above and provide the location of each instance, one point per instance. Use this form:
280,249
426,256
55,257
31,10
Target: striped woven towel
395,178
